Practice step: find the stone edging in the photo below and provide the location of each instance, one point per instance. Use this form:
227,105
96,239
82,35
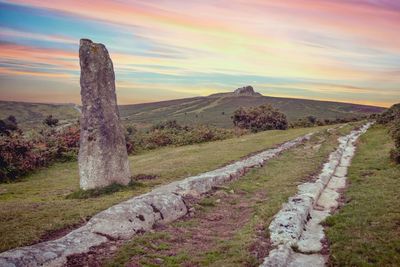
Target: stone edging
122,221
297,224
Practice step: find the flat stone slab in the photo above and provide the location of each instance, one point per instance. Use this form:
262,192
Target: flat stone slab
341,171
303,260
278,257
310,240
337,183
328,199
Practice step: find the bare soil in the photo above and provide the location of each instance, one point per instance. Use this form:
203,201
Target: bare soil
205,227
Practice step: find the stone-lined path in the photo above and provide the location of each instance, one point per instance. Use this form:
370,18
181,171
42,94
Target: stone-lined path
296,231
122,221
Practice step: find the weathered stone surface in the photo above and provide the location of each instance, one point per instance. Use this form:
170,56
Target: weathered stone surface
310,240
103,158
288,224
341,171
328,198
278,257
302,260
138,214
312,190
246,91
336,183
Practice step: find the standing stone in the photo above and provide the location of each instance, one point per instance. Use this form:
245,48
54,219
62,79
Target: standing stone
103,158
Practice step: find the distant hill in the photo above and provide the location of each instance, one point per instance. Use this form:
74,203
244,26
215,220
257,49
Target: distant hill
215,109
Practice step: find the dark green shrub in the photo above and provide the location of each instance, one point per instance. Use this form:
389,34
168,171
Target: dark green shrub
302,123
395,155
50,121
171,124
8,125
260,118
312,120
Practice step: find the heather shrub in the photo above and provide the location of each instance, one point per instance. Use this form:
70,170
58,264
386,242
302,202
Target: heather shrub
260,118
389,115
157,138
391,118
20,155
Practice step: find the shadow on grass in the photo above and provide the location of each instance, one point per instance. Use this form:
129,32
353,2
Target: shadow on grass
97,192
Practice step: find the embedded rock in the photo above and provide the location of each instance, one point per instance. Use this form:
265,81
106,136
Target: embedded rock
246,91
103,158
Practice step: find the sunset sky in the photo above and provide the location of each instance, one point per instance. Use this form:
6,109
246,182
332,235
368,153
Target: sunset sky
347,50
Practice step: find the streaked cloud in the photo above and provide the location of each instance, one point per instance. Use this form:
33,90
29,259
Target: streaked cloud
328,49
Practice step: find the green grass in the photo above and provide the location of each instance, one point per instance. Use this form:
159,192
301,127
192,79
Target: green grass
278,180
38,204
366,231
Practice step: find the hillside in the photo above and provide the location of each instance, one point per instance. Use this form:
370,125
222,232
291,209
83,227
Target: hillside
32,114
215,109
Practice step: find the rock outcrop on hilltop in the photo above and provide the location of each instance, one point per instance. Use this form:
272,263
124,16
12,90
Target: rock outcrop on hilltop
246,91
103,158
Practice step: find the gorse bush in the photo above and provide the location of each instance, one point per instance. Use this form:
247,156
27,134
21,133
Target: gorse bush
311,121
260,118
171,133
391,118
394,130
389,115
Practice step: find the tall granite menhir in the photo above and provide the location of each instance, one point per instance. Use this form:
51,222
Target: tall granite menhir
103,158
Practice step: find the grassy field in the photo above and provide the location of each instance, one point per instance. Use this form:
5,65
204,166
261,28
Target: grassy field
366,231
37,205
218,109
274,183
212,110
